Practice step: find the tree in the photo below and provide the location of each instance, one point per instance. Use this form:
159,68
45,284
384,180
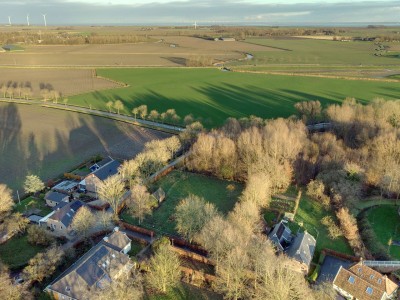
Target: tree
154,115
172,144
39,236
83,221
33,184
65,101
164,271
109,105
43,264
111,190
6,200
140,202
16,223
142,110
135,111
258,189
348,224
124,287
10,291
191,214
309,110
118,105
105,218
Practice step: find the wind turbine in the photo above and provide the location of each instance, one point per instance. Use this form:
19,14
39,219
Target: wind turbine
9,20
27,19
44,18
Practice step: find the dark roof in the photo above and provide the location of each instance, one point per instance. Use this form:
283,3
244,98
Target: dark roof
280,234
302,248
117,240
60,205
159,194
107,170
55,196
99,265
66,214
99,164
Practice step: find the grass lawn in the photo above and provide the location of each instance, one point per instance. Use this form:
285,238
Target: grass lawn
32,203
214,95
16,252
185,292
136,247
178,185
385,222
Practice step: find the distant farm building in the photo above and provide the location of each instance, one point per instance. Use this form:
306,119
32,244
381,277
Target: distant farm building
225,39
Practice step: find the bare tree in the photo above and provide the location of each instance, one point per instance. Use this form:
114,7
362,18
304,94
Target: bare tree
6,200
33,184
142,110
191,214
258,189
109,105
83,221
104,218
140,202
118,105
164,272
135,111
111,190
172,145
154,115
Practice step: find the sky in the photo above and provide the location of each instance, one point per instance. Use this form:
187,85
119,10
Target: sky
263,12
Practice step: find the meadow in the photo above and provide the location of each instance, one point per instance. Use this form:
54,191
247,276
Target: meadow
49,142
214,95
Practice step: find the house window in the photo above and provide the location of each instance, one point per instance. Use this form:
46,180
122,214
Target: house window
369,290
379,281
359,270
371,277
351,279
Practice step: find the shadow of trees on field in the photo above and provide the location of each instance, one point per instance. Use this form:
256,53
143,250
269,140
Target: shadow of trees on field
49,142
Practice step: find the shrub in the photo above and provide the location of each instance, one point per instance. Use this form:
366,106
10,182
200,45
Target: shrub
314,275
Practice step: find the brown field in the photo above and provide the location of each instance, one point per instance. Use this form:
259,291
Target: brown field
158,53
49,142
66,81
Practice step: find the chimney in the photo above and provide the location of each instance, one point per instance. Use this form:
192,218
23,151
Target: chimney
105,238
116,229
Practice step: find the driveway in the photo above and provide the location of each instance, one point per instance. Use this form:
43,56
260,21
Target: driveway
330,267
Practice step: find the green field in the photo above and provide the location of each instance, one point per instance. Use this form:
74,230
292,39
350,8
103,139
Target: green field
309,51
178,185
385,222
214,95
16,252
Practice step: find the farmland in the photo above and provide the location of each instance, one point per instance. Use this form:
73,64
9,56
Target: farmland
214,95
66,81
49,142
157,52
178,185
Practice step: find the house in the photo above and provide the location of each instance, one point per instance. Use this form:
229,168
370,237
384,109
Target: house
91,181
302,251
95,270
361,282
159,195
281,236
60,220
54,198
66,187
99,164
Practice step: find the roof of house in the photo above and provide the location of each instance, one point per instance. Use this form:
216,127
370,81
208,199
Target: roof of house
362,282
66,214
65,185
107,170
159,194
59,205
100,163
302,248
117,240
96,269
55,196
280,231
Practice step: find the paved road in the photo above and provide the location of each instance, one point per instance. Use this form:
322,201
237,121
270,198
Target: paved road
140,122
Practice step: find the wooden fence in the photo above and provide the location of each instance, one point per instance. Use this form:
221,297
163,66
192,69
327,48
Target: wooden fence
137,229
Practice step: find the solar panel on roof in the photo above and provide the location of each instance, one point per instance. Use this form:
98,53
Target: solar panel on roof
90,272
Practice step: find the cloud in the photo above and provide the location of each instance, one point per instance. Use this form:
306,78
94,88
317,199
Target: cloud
60,12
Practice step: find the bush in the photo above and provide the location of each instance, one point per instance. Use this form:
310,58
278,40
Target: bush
39,236
313,277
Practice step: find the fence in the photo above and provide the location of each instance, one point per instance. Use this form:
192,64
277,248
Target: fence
137,229
193,256
182,243
340,255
